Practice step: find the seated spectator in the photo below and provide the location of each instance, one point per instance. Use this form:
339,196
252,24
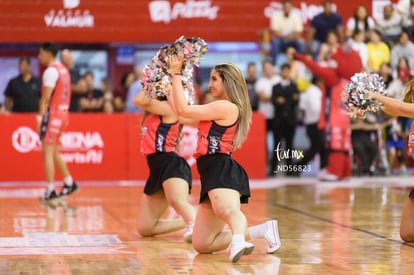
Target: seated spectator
133,90
406,10
360,22
328,48
321,24
404,48
357,43
286,28
385,71
397,86
106,88
121,94
78,85
378,51
23,92
251,79
93,100
390,25
298,71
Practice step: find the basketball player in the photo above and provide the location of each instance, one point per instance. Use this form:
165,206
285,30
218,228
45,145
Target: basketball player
52,120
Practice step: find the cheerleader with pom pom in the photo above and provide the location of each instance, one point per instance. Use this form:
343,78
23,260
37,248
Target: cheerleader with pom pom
402,108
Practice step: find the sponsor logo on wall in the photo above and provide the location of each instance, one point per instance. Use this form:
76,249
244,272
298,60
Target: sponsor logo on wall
76,147
70,16
164,11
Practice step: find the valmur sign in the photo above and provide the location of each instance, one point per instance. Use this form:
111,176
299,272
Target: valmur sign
106,21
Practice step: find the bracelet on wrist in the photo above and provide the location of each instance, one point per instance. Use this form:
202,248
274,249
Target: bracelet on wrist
179,73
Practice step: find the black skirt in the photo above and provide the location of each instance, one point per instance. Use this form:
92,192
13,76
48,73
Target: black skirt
221,171
163,166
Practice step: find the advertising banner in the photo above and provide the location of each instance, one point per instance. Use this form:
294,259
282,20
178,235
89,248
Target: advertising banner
105,147
107,21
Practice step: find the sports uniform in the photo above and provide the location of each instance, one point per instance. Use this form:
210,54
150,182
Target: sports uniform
56,118
214,162
158,142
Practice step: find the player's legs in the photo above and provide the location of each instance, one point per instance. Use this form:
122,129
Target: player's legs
60,163
223,208
48,161
149,217
176,192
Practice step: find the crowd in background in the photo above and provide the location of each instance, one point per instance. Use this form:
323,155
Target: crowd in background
286,92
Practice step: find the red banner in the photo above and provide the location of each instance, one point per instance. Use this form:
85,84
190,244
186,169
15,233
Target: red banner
149,21
104,147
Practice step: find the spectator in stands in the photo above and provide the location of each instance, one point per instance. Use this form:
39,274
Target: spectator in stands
93,100
133,90
406,10
286,28
328,48
23,92
78,84
404,48
390,25
106,88
264,86
357,43
299,73
365,143
321,24
378,51
285,98
121,94
397,86
385,71
360,22
310,103
251,79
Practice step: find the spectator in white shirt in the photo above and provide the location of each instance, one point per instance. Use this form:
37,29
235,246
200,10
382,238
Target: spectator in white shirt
286,28
404,48
357,43
264,86
390,25
361,21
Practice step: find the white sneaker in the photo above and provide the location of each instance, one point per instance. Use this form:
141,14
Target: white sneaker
324,175
238,249
188,234
272,236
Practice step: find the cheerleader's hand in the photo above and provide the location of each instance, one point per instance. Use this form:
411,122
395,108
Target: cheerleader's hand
175,63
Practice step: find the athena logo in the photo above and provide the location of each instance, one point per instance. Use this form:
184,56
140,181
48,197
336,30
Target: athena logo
25,140
71,4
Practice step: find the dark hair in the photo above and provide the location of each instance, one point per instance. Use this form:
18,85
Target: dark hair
251,64
49,47
285,66
88,73
25,59
366,25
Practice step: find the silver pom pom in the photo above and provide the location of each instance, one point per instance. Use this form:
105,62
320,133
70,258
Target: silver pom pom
156,81
355,94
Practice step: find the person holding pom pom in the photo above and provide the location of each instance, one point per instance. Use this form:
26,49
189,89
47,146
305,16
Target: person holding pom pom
169,182
402,108
223,125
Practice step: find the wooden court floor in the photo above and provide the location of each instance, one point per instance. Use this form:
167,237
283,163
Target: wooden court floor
349,227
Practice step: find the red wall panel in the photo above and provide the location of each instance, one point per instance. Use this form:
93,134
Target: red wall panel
145,21
101,147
